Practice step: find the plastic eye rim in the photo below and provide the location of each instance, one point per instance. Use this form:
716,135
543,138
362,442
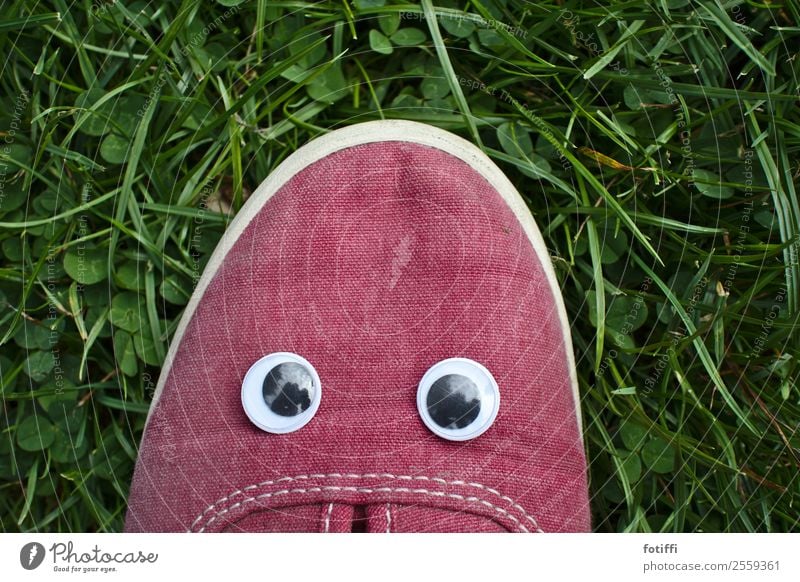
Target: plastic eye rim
490,401
253,400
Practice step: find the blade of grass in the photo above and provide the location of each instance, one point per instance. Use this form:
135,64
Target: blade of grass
450,74
605,59
721,18
700,347
28,21
599,281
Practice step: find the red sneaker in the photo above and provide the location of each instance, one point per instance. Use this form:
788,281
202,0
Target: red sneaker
377,344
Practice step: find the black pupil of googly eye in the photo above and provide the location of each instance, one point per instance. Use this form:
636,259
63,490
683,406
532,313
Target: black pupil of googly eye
453,401
288,389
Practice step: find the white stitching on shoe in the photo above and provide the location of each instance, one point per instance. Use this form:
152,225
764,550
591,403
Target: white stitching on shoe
388,518
328,518
366,490
438,480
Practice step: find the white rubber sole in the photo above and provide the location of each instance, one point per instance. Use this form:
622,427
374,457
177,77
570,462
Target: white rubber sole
370,132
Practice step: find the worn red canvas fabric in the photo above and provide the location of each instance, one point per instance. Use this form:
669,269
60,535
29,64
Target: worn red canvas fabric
373,263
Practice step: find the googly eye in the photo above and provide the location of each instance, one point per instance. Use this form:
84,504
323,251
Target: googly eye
281,392
458,399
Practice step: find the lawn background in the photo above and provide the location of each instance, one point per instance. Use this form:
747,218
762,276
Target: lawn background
655,142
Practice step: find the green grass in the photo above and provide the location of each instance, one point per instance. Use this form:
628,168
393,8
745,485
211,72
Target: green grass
655,142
